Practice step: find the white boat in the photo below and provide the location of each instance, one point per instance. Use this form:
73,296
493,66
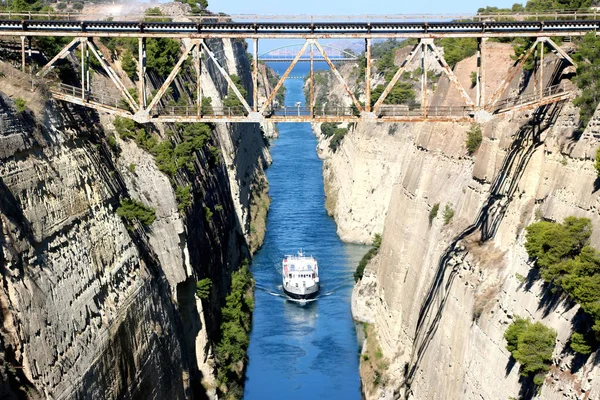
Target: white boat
300,276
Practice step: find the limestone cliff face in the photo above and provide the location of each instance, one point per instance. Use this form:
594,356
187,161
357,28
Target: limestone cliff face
91,308
441,298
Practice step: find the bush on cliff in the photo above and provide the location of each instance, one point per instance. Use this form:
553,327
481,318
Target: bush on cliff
474,138
203,287
360,270
235,331
587,77
131,209
567,262
597,164
579,344
336,139
531,345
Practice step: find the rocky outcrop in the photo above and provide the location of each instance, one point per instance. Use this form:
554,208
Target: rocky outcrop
441,295
92,306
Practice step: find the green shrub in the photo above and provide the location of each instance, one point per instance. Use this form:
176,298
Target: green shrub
203,288
360,270
473,79
235,326
474,138
128,64
587,77
206,106
131,209
457,49
184,197
565,260
112,143
531,345
597,164
328,128
579,344
131,168
448,214
336,139
208,214
20,104
433,212
231,100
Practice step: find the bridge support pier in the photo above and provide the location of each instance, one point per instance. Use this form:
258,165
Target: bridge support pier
368,75
142,72
255,77
23,53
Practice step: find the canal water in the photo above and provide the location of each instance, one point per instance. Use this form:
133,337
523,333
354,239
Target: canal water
300,351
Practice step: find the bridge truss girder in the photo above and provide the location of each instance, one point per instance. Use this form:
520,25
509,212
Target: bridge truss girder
144,111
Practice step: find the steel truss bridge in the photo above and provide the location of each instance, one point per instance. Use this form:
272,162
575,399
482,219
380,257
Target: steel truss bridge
144,109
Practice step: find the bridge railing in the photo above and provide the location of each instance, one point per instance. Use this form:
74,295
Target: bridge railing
304,111
525,98
400,110
101,98
190,111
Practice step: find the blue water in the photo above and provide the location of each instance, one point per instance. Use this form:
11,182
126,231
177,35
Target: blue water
302,351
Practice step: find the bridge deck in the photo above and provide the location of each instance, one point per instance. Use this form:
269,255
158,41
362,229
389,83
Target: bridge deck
201,30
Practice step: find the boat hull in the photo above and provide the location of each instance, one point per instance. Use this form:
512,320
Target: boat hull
301,296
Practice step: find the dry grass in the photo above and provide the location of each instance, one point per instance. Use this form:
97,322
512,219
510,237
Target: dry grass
485,300
15,84
486,255
372,363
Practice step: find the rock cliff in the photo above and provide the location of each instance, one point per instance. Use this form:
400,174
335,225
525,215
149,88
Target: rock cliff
93,307
440,295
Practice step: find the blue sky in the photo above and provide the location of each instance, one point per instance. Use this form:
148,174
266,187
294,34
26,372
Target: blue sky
337,7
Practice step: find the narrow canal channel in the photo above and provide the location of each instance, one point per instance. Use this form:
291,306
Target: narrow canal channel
302,351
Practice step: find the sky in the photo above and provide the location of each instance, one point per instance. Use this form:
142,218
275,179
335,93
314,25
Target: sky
343,7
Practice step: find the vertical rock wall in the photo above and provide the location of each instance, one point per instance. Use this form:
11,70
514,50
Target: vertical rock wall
439,298
90,307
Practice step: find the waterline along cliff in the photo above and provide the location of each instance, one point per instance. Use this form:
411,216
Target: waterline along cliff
449,204
119,242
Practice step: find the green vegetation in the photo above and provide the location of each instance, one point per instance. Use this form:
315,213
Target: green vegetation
579,344
520,277
531,345
112,143
131,209
206,106
328,128
433,212
169,158
128,64
131,168
401,93
448,214
587,77
231,100
457,49
235,333
208,214
567,261
336,139
360,270
474,138
20,104
597,164
473,79
183,195
203,287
